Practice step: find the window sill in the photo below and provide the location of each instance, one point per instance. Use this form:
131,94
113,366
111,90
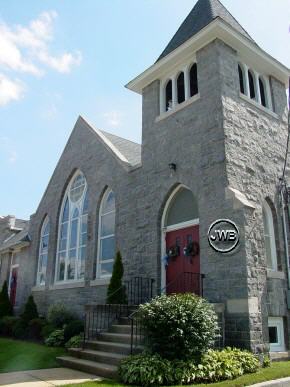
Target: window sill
100,281
67,285
38,288
275,274
178,108
257,105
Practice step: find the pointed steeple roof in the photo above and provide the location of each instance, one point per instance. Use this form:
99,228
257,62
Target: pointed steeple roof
203,13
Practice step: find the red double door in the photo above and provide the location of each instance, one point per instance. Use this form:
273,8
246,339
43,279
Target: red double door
183,268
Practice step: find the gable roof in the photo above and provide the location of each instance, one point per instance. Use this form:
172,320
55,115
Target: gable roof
127,152
202,14
17,239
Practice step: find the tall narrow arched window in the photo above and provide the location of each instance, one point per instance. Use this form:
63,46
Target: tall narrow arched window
168,96
193,80
180,88
242,80
269,237
72,235
252,85
43,252
262,92
106,242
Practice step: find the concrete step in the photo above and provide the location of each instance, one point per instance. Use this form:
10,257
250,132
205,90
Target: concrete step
97,356
115,337
99,369
120,329
124,321
280,356
112,347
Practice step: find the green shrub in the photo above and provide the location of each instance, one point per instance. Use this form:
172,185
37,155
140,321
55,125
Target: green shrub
19,330
35,327
55,339
75,342
47,330
6,308
30,311
73,329
116,293
179,326
266,361
149,370
7,324
146,370
58,315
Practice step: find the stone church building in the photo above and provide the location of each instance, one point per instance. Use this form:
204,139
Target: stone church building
214,133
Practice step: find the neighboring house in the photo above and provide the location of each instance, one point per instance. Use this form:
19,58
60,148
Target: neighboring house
213,145
14,255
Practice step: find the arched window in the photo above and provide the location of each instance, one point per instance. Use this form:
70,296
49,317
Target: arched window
72,236
269,237
168,96
106,242
242,80
43,252
262,92
193,80
183,208
180,88
252,85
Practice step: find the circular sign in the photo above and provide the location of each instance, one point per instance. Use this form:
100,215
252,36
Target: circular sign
223,235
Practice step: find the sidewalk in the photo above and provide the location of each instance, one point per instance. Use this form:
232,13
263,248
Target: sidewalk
44,378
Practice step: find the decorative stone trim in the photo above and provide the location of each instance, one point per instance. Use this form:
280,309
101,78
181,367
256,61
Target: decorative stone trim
100,282
68,285
275,274
257,105
178,107
38,288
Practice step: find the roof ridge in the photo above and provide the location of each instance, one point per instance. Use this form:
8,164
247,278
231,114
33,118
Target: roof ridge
202,14
123,138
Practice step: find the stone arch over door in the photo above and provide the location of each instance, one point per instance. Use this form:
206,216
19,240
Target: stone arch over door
180,264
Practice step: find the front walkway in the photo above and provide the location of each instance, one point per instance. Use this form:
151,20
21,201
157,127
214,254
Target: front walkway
44,378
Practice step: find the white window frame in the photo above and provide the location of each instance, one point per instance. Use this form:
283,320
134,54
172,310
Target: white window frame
278,323
72,206
100,238
271,236
185,69
40,251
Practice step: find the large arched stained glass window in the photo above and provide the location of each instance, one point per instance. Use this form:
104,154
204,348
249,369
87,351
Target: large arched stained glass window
72,237
106,243
43,252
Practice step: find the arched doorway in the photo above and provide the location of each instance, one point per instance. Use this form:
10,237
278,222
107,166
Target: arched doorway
180,264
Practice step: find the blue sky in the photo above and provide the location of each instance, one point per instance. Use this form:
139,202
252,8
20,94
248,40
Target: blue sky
59,59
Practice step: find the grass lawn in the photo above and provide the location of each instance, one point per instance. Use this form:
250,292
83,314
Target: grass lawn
276,371
16,355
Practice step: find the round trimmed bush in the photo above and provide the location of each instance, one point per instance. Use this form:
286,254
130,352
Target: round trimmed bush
35,327
73,328
75,342
58,315
19,330
55,339
179,326
7,325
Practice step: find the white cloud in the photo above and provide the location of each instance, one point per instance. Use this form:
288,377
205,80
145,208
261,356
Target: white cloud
26,49
113,118
12,157
10,90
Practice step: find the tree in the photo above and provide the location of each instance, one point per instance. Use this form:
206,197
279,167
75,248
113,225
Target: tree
116,291
6,308
30,311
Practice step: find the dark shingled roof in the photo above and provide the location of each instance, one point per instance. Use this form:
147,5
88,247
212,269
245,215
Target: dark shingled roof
131,150
16,239
203,13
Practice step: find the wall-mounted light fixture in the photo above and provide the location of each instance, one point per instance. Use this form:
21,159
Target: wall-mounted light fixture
172,167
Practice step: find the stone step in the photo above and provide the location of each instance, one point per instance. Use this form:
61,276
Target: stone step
99,369
115,337
121,329
124,321
97,356
112,347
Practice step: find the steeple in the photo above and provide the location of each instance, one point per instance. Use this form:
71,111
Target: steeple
203,13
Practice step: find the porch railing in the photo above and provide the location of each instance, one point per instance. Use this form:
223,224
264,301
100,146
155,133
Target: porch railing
99,317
